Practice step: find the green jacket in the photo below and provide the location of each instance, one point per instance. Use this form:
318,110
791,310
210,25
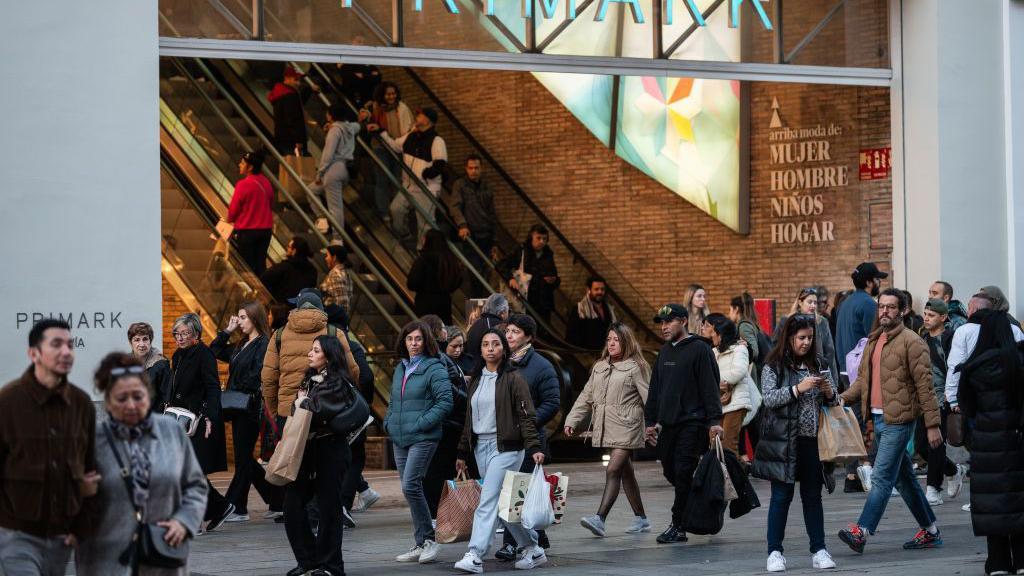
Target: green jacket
418,414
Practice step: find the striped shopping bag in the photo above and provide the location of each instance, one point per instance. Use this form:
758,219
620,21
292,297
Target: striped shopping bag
459,499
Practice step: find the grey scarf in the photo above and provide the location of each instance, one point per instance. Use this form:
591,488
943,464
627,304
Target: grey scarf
138,458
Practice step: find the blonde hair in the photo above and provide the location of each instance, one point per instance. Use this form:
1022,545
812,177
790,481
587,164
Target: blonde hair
630,348
804,294
696,316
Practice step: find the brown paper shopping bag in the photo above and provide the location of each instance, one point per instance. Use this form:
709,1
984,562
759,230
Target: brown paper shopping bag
284,464
839,436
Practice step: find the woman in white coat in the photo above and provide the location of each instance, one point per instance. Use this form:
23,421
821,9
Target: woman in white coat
740,397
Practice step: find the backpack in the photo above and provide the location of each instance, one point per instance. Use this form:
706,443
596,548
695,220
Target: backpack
332,330
764,346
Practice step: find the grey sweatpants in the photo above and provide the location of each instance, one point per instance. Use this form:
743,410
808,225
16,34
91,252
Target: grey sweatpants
22,554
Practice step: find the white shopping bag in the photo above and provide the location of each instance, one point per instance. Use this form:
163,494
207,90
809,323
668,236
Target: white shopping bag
537,511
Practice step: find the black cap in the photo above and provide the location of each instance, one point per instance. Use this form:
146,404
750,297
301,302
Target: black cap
314,291
670,311
431,114
868,271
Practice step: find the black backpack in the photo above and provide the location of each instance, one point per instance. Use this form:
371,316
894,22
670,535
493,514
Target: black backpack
764,346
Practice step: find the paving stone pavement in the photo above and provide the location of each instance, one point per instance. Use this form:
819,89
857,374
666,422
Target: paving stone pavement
259,547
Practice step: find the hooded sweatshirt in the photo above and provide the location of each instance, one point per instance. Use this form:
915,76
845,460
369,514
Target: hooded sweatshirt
684,385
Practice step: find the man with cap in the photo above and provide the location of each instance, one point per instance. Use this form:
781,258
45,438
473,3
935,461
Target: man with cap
287,98
683,410
939,338
856,317
426,155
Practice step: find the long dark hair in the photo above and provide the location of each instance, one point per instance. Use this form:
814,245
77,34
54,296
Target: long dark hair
337,364
745,304
429,344
506,354
996,333
782,356
448,268
725,329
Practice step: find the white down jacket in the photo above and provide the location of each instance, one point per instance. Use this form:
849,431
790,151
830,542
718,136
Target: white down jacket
734,366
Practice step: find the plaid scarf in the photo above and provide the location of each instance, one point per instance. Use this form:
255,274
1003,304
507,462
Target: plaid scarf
588,310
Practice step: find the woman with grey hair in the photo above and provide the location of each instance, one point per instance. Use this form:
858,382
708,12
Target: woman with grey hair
494,313
163,480
195,386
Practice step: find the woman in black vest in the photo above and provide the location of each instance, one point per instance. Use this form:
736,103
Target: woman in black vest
195,387
795,384
245,364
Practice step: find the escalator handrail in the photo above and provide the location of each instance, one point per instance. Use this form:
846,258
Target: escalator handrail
277,184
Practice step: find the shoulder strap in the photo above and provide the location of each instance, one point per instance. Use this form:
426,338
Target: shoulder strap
277,338
332,330
125,472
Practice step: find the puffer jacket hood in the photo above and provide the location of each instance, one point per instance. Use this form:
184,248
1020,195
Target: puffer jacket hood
307,320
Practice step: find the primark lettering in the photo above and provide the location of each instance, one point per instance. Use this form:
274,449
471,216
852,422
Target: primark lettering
77,320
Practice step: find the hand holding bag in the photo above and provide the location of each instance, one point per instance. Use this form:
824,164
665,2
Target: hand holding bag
537,511
729,489
839,436
284,464
459,499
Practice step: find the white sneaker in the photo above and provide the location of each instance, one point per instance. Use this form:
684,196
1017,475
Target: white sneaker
640,526
237,517
413,555
470,563
776,562
864,473
594,524
895,492
966,507
430,551
272,514
934,496
955,484
531,558
822,560
367,498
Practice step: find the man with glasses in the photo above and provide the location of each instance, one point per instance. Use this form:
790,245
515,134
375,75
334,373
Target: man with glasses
683,410
47,458
894,386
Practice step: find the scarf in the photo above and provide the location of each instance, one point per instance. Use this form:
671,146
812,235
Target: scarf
138,458
518,356
588,310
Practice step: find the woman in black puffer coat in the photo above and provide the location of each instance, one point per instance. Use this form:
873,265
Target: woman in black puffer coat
990,393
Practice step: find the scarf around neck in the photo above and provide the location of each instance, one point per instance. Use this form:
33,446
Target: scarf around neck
138,459
518,356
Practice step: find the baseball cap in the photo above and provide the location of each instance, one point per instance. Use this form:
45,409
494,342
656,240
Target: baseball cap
290,72
868,271
670,311
431,114
938,306
308,296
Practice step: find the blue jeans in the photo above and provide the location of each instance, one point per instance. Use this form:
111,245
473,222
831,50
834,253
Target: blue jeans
413,462
809,474
892,468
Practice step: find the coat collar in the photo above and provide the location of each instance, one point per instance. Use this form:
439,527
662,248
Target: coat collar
603,366
41,394
892,333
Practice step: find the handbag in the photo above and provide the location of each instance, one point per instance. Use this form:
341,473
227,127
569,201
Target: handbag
521,277
728,488
955,429
237,403
353,416
185,417
148,546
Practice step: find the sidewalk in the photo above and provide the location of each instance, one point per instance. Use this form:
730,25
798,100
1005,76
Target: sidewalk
259,547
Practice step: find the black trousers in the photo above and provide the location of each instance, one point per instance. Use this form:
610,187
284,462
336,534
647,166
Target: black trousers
442,467
320,476
680,449
1005,553
216,504
252,246
353,481
938,464
527,466
248,472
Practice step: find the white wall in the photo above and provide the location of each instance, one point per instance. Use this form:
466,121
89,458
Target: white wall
79,174
956,178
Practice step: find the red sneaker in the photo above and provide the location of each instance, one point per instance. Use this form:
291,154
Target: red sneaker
854,537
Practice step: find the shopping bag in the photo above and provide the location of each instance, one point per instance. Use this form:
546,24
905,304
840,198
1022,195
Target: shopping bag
728,489
839,436
537,511
512,496
705,506
559,494
284,464
305,167
459,499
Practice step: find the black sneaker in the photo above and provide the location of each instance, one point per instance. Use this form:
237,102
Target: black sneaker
852,485
297,571
347,519
506,553
542,539
671,535
854,537
216,522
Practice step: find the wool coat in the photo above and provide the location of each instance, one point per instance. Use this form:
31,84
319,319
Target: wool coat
195,386
614,399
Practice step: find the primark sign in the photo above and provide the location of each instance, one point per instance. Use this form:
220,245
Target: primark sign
549,9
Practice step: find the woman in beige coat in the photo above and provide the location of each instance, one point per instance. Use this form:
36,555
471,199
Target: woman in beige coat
614,400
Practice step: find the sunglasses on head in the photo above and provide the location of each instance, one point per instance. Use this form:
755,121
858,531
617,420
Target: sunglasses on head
125,370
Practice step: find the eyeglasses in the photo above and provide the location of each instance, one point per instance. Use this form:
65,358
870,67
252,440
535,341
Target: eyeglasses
121,371
181,335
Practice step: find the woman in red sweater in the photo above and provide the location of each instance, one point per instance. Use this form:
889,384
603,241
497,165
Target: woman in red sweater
251,211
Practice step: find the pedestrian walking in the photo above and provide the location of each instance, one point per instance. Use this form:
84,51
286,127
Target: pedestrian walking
337,285
587,323
391,115
251,212
696,298
531,272
743,314
456,349
471,205
494,313
613,400
807,303
158,367
796,383
147,467
894,386
435,275
332,174
683,411
196,388
739,395
421,398
325,391
942,290
47,439
500,431
245,363
287,98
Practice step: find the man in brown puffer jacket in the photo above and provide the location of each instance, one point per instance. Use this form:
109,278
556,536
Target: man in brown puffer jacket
894,385
284,369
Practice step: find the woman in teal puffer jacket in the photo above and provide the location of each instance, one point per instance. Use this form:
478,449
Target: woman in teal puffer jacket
421,398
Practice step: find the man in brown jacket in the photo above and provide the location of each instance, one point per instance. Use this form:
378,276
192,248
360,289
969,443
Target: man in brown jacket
284,368
894,385
47,458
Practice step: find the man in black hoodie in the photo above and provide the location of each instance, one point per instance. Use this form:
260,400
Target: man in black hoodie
683,409
289,276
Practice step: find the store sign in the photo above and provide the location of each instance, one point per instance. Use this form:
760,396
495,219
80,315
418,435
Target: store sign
875,163
549,8
803,171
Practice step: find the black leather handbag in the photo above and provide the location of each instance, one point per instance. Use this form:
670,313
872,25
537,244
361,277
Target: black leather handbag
237,403
148,547
353,416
